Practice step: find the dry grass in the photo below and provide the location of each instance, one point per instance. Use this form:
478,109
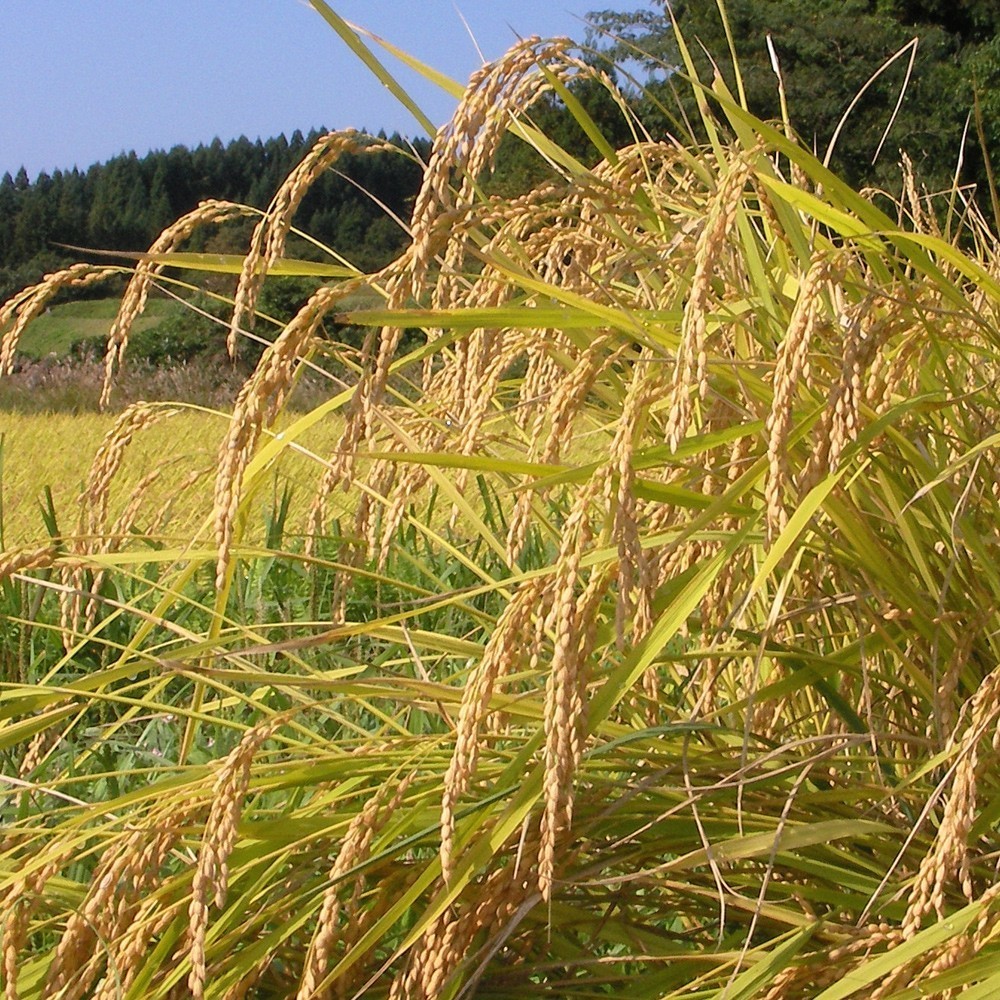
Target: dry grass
71,385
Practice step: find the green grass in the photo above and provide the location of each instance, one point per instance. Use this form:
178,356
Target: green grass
68,323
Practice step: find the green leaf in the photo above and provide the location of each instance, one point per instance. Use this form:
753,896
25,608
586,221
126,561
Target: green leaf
365,55
881,966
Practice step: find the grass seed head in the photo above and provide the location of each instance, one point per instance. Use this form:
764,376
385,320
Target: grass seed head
572,620
267,245
258,404
18,311
690,372
790,367
133,302
93,500
511,642
355,850
22,560
211,877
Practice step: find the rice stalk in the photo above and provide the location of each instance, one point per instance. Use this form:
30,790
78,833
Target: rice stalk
208,213
19,310
655,652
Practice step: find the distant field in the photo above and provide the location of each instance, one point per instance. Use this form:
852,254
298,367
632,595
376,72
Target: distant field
49,436
58,329
56,450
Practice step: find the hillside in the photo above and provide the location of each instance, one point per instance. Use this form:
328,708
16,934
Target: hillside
124,203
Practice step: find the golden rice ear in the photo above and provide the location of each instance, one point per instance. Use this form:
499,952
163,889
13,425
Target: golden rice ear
864,332
130,867
354,851
19,310
94,534
257,405
111,540
619,489
21,560
208,213
267,245
93,501
211,877
692,356
948,862
573,621
447,941
470,141
517,639
446,218
790,368
127,952
17,906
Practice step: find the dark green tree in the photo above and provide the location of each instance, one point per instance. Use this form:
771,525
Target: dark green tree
159,210
70,220
124,203
974,21
32,224
827,51
8,213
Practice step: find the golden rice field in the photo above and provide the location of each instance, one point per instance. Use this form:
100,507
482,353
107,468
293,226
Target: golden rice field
180,452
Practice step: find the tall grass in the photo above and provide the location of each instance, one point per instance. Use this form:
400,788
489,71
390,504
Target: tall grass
75,385
656,656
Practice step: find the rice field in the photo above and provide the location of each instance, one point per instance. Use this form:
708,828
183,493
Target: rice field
55,452
641,637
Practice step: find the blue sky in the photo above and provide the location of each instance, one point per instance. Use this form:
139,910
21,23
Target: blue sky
83,80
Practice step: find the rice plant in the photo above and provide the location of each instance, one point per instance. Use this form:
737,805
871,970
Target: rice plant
641,635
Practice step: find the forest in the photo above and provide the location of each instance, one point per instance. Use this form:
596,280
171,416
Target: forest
123,204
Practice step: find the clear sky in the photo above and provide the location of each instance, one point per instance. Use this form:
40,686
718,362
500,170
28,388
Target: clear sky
84,80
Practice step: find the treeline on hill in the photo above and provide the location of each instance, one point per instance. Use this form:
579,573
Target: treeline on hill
124,203
827,51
